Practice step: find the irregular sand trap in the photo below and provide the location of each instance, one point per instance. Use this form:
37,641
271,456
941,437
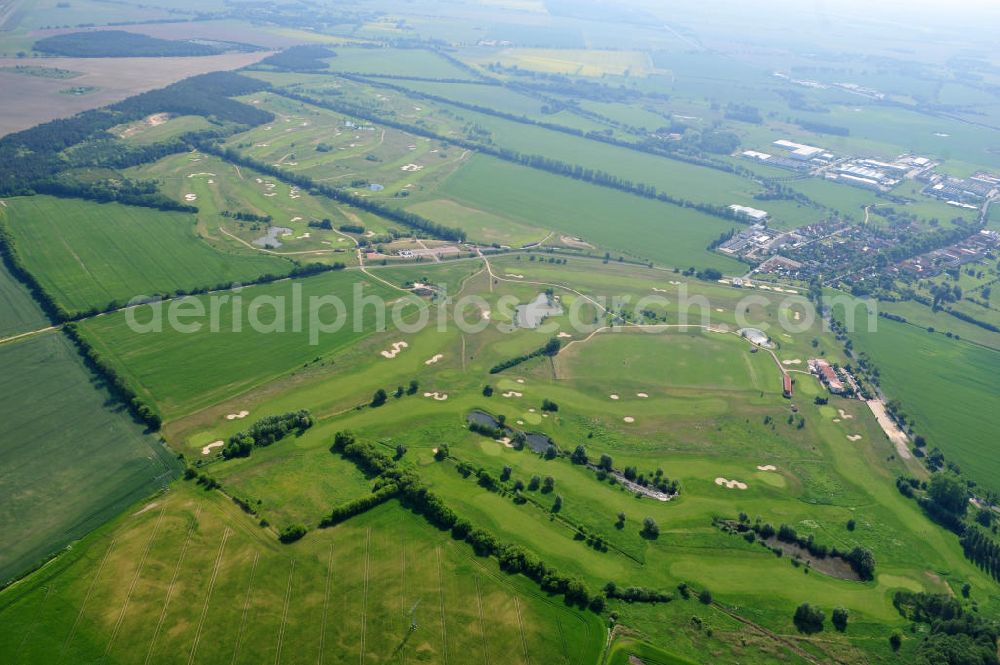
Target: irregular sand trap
211,182
207,449
295,219
520,422
545,415
731,484
512,393
196,175
396,348
796,361
486,315
659,290
836,420
767,467
520,380
433,360
642,395
190,197
564,335
411,167
237,416
147,507
797,316
719,309
438,396
675,283
853,437
613,396
844,414
531,410
629,419
510,274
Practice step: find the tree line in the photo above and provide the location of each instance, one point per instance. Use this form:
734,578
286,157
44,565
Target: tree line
116,383
266,431
983,551
404,484
538,162
410,219
550,349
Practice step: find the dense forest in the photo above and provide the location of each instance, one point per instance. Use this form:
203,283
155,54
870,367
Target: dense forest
119,44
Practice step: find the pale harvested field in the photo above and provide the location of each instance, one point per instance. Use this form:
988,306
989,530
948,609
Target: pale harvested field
30,100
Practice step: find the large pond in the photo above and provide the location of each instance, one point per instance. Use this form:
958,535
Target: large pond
536,441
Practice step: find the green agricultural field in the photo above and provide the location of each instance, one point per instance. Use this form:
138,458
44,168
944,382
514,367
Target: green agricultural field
410,62
62,426
159,584
20,313
90,255
185,371
953,403
614,220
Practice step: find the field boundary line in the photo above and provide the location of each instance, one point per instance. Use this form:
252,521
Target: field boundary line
364,594
402,594
135,580
90,591
246,609
30,333
208,596
284,613
34,619
326,606
170,587
444,623
520,625
482,621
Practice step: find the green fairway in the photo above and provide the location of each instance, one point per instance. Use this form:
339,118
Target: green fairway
91,255
181,372
58,424
163,583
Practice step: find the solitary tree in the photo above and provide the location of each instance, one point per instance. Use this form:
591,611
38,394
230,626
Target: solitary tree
808,619
839,618
650,529
379,398
487,391
705,597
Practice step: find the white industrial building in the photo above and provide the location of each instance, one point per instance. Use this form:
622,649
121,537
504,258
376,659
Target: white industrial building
752,214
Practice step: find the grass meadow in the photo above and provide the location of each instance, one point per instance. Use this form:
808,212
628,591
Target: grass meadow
90,255
189,578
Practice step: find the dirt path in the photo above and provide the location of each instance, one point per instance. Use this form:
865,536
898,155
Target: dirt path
892,431
135,580
246,609
364,595
31,333
284,613
86,598
208,596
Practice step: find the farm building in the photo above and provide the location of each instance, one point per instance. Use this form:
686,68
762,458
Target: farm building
827,375
786,381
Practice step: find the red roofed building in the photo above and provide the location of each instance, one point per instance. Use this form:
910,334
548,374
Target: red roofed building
787,385
828,376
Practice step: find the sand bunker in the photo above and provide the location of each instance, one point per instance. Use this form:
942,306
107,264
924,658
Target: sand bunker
520,422
853,437
411,167
629,419
396,348
190,197
433,360
675,283
798,316
486,315
767,467
207,449
512,393
844,414
642,395
438,396
197,175
731,484
510,274
563,335
836,420
238,416
614,396
795,361
296,219
520,380
719,309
